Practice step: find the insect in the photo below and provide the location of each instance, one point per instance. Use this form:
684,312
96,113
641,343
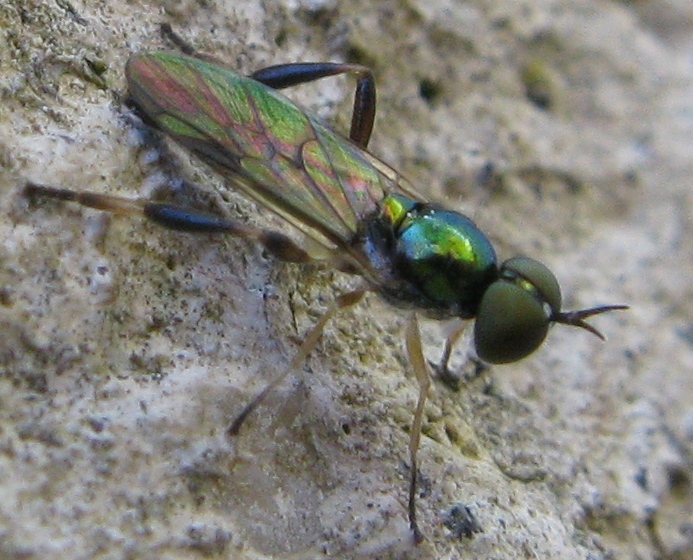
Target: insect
371,222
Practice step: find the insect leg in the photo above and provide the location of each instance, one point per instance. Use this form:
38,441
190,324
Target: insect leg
177,218
416,358
287,75
342,302
450,342
442,369
363,115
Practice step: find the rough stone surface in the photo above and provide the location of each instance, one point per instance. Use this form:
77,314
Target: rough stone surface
564,128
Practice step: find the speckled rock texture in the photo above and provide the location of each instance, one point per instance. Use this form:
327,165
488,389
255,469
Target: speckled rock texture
565,129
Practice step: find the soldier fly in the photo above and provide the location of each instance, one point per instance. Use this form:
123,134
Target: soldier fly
368,219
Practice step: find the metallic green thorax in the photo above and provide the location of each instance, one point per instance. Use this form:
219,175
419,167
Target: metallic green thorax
297,165
441,253
362,215
367,217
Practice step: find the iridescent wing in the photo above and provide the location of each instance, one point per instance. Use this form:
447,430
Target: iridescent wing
291,162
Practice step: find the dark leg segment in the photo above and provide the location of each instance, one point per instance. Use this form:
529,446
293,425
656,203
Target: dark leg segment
289,75
293,74
176,218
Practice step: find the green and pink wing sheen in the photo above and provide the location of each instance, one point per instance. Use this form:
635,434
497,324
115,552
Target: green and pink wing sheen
291,162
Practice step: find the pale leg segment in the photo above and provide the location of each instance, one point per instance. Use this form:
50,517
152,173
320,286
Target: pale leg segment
418,362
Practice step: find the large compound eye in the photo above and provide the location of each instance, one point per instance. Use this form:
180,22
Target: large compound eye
516,311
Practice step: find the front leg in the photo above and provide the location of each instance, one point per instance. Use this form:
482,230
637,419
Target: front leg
453,379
